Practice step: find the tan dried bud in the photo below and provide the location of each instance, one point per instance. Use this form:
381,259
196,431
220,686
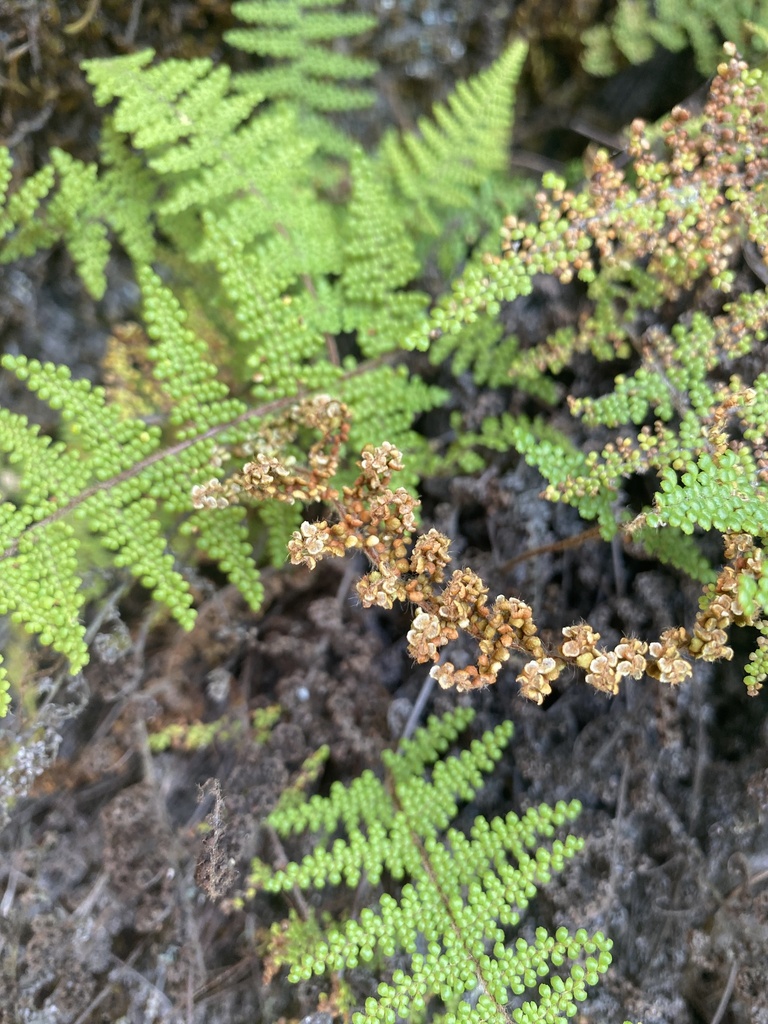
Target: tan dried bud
209,495
379,463
603,672
311,542
430,555
632,661
381,588
536,679
426,635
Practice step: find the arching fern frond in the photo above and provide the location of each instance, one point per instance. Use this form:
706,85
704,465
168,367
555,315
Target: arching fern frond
114,481
461,894
447,163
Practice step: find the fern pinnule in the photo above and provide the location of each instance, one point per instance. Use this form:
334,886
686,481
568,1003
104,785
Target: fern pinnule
292,33
463,145
460,893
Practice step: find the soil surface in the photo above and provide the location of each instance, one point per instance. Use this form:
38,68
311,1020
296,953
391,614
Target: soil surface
106,879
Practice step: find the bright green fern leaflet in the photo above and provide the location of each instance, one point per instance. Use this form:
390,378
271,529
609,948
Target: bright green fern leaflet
461,894
636,27
454,168
116,479
59,203
292,33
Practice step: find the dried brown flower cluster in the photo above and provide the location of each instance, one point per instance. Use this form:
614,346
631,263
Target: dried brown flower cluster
375,518
273,474
380,521
715,166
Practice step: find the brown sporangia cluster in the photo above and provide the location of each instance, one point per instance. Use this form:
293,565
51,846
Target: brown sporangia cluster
681,215
272,472
379,520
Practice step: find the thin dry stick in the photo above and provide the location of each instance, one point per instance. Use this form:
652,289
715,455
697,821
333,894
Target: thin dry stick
107,989
617,822
226,978
593,533
702,759
418,708
280,859
727,993
85,19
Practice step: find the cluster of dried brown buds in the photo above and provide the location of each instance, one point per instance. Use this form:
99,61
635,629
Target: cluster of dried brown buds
373,517
272,473
681,216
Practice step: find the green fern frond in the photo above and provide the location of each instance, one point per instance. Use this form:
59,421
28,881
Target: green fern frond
178,107
630,32
725,493
5,697
19,209
263,182
379,263
265,300
118,478
203,154
128,194
61,202
39,577
293,33
465,143
633,30
673,547
461,893
280,520
757,668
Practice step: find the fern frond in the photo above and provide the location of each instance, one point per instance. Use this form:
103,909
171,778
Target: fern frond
129,191
20,208
176,101
725,492
119,482
203,154
280,520
634,28
461,893
200,151
465,143
5,697
292,32
379,262
61,202
673,547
